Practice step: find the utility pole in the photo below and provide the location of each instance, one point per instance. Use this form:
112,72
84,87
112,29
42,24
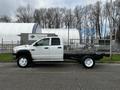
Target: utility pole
2,46
111,29
68,34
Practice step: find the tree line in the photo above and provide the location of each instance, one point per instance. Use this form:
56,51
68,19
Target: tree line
95,19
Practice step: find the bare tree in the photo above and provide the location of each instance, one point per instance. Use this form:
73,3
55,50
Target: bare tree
40,17
58,17
24,14
105,20
116,19
78,12
49,18
69,18
5,19
97,13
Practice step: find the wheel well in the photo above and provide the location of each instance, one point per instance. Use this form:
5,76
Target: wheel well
86,56
23,53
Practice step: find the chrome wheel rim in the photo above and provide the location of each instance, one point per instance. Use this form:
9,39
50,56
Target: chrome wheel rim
89,62
23,62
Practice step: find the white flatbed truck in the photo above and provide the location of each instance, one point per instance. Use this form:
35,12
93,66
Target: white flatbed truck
51,49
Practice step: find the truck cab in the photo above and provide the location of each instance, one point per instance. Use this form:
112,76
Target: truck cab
45,49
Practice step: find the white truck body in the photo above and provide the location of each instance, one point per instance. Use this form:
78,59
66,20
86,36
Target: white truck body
52,49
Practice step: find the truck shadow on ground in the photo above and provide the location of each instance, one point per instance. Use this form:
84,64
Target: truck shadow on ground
65,65
48,65
61,65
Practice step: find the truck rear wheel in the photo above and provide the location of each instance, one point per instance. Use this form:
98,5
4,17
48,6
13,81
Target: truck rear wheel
88,62
23,62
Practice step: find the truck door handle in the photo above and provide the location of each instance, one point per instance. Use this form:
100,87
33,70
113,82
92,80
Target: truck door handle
32,49
46,48
59,47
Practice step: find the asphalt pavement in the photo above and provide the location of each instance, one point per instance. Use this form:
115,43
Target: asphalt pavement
63,76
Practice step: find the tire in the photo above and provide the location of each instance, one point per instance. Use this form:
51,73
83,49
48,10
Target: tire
88,62
23,62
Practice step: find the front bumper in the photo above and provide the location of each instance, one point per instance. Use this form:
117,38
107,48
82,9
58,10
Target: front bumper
14,55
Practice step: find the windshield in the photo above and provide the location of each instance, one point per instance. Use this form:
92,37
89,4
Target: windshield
31,42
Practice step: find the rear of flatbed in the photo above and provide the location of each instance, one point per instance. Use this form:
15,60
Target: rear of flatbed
84,57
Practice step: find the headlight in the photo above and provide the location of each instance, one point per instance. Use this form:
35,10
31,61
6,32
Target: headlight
14,50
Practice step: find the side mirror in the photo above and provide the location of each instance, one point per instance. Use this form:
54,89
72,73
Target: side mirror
36,44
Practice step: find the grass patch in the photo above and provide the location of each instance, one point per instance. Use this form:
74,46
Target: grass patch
6,57
115,58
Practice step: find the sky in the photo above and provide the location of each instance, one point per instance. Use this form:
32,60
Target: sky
8,7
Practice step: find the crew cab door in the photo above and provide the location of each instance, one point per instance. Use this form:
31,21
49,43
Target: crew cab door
48,49
41,50
56,49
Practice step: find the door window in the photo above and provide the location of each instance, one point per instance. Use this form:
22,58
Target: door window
43,42
55,41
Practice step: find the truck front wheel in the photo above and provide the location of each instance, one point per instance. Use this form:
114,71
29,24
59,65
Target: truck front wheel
23,62
88,62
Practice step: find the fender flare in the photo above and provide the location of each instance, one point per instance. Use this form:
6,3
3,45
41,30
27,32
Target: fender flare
24,53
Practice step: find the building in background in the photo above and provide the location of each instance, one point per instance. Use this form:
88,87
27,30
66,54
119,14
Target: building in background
11,31
28,38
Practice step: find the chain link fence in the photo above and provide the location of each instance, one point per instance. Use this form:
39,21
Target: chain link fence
74,44
7,46
94,45
102,45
